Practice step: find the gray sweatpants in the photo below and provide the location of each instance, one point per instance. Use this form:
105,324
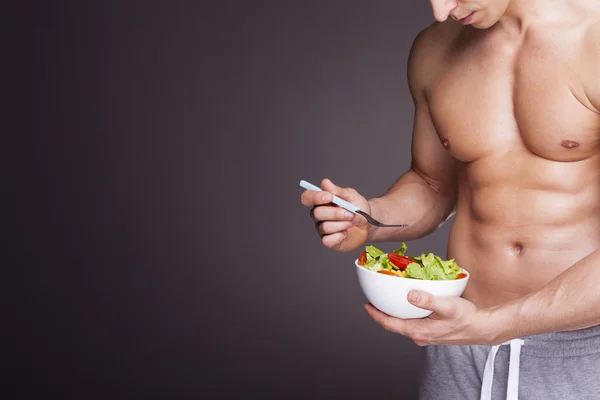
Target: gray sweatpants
554,366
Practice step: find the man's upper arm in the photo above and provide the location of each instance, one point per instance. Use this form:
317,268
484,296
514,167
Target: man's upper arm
429,157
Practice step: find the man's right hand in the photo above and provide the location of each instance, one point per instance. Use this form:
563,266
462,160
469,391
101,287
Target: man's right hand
339,229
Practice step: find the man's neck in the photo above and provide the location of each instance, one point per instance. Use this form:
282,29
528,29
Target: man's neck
520,14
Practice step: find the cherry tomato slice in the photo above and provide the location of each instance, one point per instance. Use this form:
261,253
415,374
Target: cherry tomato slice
362,259
398,260
461,275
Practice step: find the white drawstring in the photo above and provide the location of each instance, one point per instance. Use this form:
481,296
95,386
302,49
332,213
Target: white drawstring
488,374
512,390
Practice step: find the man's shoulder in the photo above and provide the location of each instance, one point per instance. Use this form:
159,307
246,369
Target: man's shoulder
435,37
591,58
428,50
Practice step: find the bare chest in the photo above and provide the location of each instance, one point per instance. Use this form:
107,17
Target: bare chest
496,96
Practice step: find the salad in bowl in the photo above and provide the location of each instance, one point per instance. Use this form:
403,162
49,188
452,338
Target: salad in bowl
386,278
396,263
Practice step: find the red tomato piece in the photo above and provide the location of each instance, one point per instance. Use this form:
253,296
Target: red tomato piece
386,272
399,261
362,259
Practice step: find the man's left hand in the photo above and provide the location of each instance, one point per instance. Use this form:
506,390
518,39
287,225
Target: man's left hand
454,320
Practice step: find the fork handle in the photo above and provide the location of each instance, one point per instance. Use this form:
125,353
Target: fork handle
336,200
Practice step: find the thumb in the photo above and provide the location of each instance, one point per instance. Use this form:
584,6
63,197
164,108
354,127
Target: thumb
442,306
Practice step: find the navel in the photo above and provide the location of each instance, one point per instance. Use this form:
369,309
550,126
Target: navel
516,248
446,143
569,144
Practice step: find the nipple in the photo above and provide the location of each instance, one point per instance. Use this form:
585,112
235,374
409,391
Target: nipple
569,144
446,143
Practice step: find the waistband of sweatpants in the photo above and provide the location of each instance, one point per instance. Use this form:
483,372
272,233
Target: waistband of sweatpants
561,344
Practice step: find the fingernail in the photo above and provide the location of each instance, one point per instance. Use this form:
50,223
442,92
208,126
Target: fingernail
414,297
326,197
345,233
348,214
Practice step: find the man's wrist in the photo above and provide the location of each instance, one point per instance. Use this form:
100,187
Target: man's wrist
372,229
501,323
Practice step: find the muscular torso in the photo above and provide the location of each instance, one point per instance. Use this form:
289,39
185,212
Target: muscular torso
515,110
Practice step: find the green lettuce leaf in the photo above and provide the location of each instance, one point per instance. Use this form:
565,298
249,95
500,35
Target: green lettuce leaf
451,268
373,251
375,259
435,272
415,271
401,250
435,268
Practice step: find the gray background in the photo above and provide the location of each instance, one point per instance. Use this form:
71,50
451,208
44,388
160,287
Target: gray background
159,227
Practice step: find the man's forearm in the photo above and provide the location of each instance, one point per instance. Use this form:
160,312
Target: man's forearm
569,302
413,201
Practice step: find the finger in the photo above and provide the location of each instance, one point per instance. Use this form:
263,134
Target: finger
443,307
344,193
388,323
329,227
415,329
334,239
331,213
314,197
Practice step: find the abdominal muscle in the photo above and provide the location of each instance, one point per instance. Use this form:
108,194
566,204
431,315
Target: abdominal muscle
514,236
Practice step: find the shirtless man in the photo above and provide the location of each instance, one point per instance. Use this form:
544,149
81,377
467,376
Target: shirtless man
506,135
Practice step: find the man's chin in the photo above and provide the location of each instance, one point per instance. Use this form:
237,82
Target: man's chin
482,25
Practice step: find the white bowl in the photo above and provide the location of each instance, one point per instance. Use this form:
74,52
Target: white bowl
389,293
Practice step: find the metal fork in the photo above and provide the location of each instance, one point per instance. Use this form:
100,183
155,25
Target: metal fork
348,206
